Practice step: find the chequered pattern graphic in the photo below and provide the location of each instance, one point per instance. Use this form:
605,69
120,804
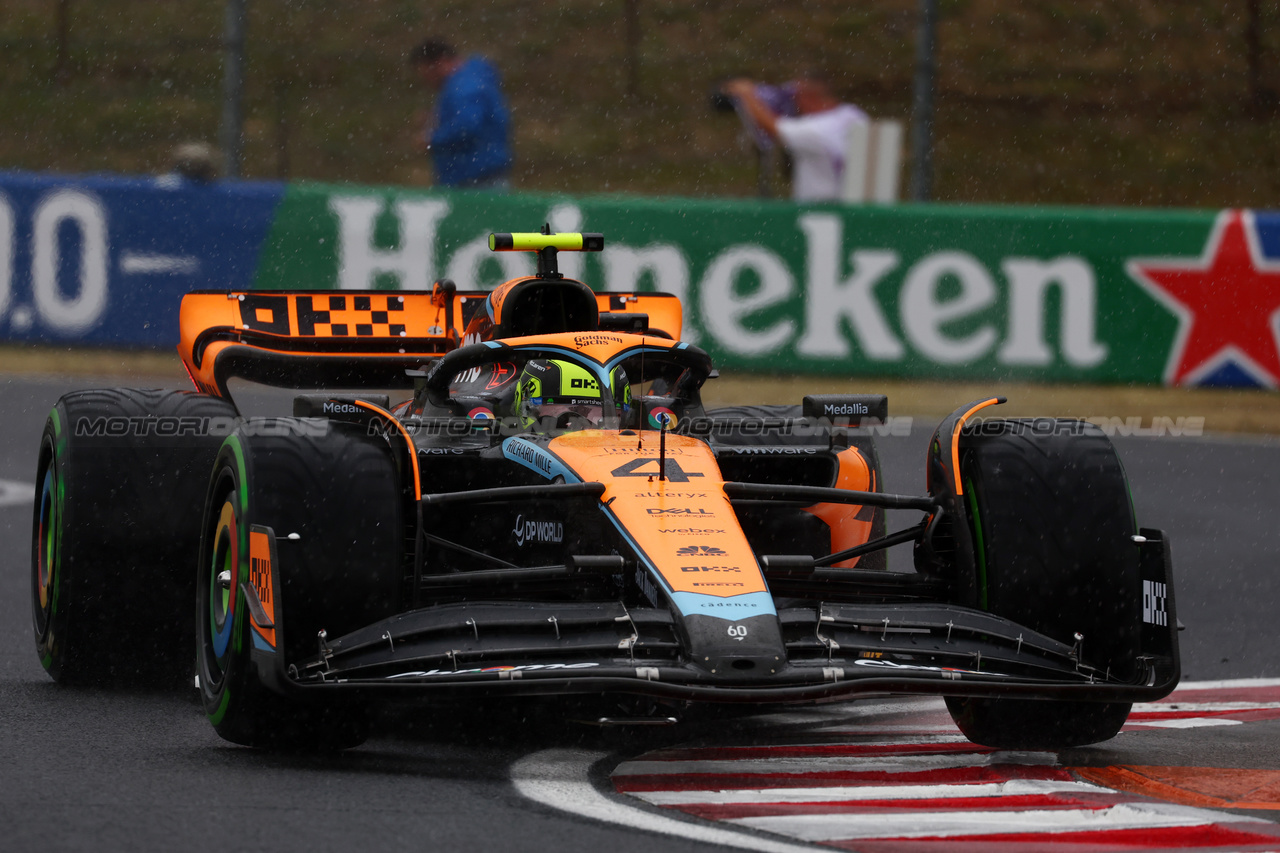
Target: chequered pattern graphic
351,316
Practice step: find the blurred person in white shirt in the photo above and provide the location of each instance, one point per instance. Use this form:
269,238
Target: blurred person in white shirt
816,137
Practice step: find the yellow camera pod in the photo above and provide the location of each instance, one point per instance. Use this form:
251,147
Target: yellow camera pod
536,242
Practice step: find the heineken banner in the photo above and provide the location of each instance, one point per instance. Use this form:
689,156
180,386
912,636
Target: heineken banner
929,291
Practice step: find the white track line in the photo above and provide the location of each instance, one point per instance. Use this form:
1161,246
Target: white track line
1181,707
1193,723
1229,684
560,778
836,763
847,794
840,827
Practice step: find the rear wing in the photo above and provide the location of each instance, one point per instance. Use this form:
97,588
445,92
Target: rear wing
369,338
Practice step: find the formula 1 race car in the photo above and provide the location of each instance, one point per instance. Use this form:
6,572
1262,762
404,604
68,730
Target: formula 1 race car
554,511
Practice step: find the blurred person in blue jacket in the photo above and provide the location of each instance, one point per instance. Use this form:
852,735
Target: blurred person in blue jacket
468,138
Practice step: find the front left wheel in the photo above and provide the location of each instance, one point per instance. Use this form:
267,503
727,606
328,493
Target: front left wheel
333,503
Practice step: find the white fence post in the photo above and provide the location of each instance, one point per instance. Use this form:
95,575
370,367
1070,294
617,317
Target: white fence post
856,155
872,163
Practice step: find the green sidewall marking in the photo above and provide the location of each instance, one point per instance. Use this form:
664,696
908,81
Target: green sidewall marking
979,542
236,449
52,545
60,495
50,536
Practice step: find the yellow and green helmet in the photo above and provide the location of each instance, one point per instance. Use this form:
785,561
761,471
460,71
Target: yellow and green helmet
564,395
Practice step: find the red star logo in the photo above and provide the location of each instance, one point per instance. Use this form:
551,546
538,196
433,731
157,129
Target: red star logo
1226,302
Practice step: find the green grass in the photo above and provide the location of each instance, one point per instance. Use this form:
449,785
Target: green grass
1049,102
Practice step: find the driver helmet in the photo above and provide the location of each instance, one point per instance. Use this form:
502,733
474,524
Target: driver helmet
568,396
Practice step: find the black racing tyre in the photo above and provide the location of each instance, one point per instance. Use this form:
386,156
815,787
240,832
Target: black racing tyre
121,478
339,492
1036,723
793,525
1052,524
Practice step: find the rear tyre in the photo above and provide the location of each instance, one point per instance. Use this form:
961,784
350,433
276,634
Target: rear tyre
121,476
1052,522
339,493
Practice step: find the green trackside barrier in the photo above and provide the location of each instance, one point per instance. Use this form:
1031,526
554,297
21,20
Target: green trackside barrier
914,291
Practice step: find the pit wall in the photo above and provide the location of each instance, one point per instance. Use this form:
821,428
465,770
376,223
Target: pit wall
929,291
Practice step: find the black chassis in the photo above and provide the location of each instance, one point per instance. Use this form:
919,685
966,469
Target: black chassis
572,617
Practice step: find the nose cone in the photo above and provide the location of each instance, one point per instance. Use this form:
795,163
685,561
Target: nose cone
736,650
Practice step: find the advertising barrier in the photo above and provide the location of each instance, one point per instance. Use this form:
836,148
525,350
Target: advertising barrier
928,291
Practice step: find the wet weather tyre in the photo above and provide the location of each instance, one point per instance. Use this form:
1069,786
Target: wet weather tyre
1052,524
1037,724
120,488
339,493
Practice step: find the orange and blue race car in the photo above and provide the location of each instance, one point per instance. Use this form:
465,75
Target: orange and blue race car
547,508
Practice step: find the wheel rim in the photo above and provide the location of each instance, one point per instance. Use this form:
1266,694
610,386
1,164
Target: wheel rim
45,556
223,581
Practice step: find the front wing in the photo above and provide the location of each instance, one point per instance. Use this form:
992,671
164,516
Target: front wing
834,650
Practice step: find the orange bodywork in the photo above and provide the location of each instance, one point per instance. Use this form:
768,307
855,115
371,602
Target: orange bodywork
260,573
850,524
683,524
387,327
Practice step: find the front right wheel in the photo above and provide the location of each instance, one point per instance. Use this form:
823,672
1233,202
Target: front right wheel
121,474
1052,525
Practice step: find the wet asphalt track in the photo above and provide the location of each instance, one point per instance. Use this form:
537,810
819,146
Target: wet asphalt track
114,771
